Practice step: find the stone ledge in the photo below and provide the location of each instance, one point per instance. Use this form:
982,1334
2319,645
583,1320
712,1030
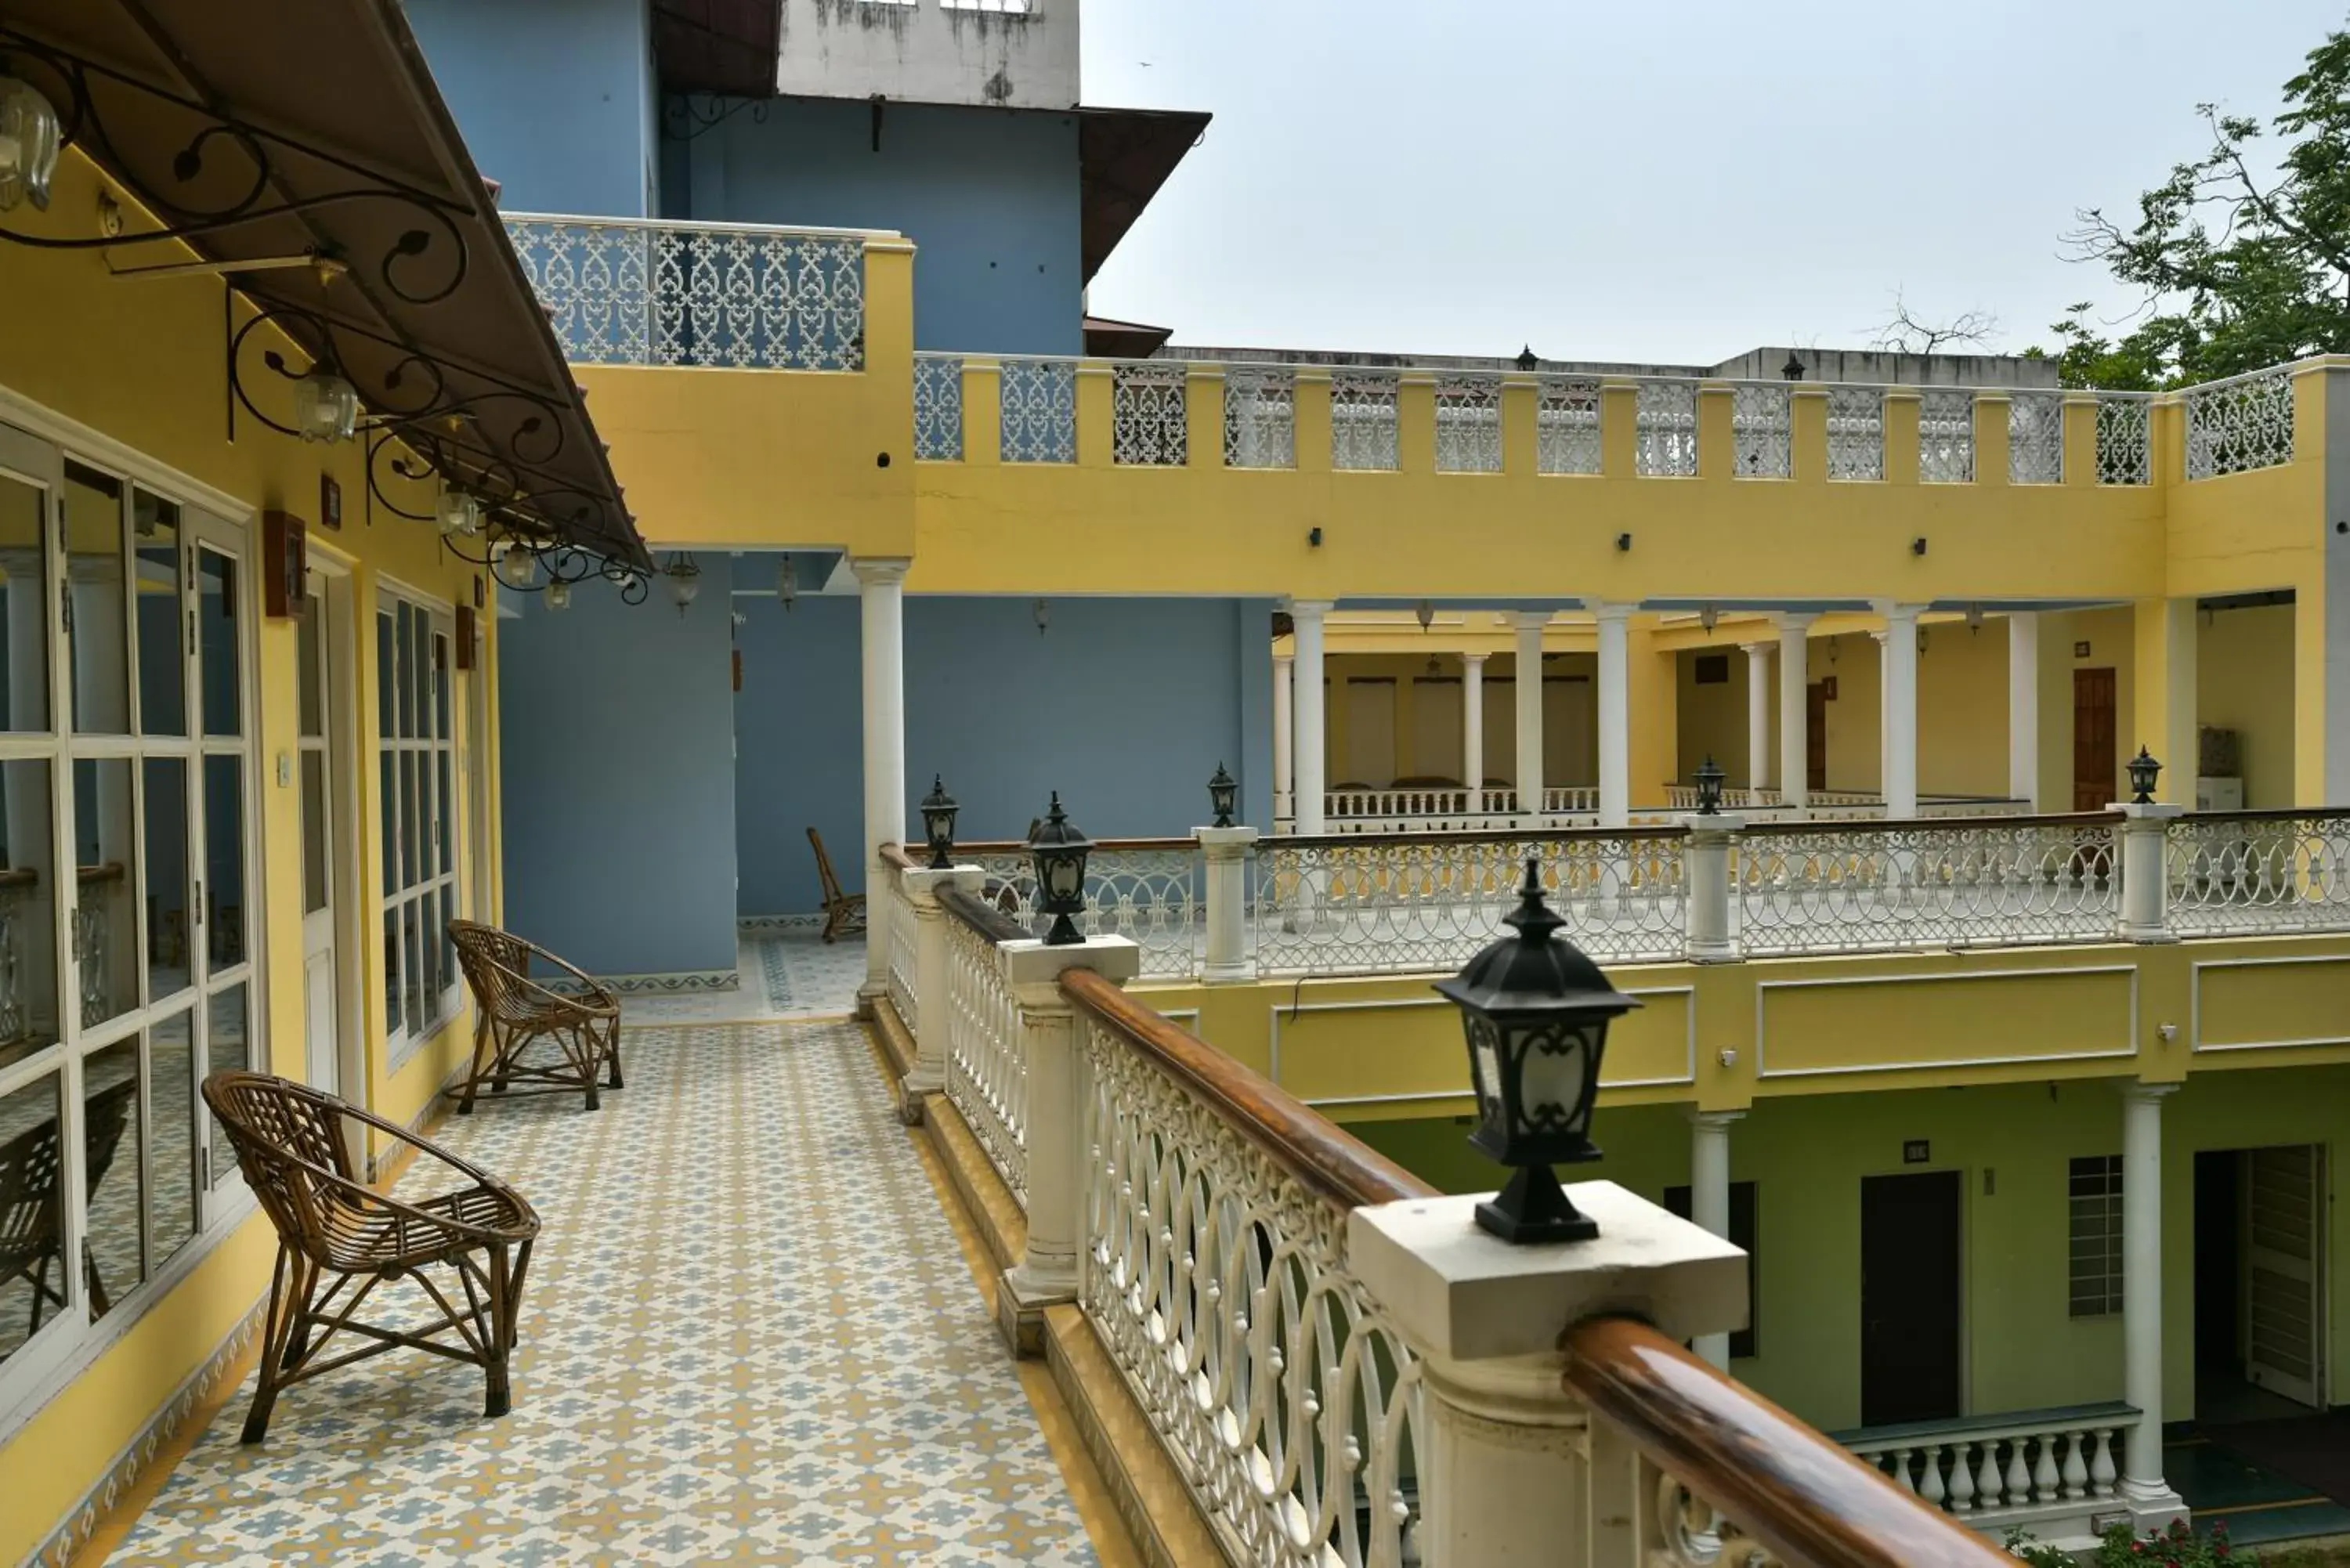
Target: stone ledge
1153,1501
897,1043
997,1217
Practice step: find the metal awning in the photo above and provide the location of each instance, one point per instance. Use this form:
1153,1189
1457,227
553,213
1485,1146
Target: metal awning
271,130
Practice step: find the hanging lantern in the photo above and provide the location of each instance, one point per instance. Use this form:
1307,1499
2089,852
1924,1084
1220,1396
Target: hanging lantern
517,566
1536,1012
1223,796
1709,787
1059,851
1043,613
28,144
326,406
558,596
2143,771
1709,618
787,585
1425,614
684,580
938,810
460,515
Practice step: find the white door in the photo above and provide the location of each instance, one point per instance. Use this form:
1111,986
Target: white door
315,775
2285,1207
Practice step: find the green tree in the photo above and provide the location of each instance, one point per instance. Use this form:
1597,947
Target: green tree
2239,270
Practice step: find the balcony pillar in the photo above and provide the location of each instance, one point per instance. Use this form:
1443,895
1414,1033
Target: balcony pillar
1514,1470
1707,856
1310,753
1615,711
1046,1274
1758,716
2024,707
1284,791
1884,712
1529,692
1226,851
2164,703
1900,708
2150,1497
880,586
1472,724
2146,883
933,988
1710,1199
1795,708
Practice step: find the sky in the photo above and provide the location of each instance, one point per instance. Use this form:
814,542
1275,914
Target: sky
1663,181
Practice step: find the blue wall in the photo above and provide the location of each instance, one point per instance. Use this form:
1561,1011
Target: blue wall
616,727
1125,706
557,99
990,196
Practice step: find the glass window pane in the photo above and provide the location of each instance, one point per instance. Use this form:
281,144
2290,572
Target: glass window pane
448,948
99,642
411,854
415,974
32,1276
430,955
170,926
163,671
28,890
114,1256
226,1050
172,1091
224,860
216,643
388,807
440,685
445,817
387,675
309,637
391,1019
403,673
106,922
23,610
314,849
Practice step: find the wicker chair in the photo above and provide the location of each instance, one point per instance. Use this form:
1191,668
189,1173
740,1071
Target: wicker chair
32,1197
289,1142
513,1012
844,913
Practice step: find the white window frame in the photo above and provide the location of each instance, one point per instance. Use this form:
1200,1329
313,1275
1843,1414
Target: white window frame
2093,1235
432,757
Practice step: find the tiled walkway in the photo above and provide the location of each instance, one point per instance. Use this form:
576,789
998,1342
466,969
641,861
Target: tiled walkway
788,973
750,1336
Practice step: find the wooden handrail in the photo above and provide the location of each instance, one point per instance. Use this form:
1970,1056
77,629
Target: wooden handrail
1784,1483
1020,846
981,915
895,854
112,871
1309,1145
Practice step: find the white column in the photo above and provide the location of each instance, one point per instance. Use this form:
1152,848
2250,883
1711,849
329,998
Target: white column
2142,1481
1884,714
1900,708
1284,803
1310,753
1472,724
1225,849
1758,716
1794,749
1529,691
1615,711
882,598
1710,1198
2024,707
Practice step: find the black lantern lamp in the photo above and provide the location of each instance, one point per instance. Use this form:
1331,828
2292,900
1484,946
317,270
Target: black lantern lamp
1223,796
1536,1012
938,810
2143,771
1059,851
1709,787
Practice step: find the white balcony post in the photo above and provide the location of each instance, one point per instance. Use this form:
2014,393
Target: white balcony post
1046,1272
1795,707
1707,856
2150,1497
1310,752
1226,851
2144,837
934,987
1710,1198
2024,707
1758,718
1472,724
881,602
1615,711
1529,693
1900,682
1508,1475
1285,793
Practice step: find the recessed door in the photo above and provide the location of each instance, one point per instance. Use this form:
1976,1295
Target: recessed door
1815,736
2092,739
314,782
1909,1285
2284,1322
1370,733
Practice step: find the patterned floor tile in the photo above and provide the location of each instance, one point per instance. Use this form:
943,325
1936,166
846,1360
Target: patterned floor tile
786,974
750,1336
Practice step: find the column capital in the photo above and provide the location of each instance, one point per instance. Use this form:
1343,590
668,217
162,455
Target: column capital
879,571
1528,621
1759,650
1881,637
1610,609
1290,658
1713,1121
1793,620
1308,609
1474,660
2144,1093
1895,611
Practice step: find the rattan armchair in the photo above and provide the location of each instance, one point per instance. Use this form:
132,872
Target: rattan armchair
844,913
513,1012
331,1226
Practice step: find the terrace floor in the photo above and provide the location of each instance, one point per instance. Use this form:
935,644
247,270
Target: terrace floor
751,1334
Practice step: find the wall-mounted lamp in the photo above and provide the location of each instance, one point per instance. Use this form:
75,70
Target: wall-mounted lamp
1044,614
1425,614
1917,546
1974,617
1314,537
787,585
1623,541
1709,618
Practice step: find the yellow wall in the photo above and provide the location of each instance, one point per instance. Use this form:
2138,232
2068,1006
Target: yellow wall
142,363
2244,683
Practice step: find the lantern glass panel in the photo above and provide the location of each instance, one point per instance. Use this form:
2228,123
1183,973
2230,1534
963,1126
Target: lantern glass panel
1064,875
1550,1074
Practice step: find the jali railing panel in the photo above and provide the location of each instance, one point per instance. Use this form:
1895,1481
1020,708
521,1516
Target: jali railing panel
2252,872
1147,890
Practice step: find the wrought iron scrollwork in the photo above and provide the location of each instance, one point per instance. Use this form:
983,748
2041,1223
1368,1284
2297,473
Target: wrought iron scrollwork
239,164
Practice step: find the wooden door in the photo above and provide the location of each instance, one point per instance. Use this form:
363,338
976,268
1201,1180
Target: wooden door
2093,740
1370,733
1910,1297
2284,1209
1815,736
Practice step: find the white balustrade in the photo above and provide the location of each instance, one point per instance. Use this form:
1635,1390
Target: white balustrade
1149,416
2049,1471
1146,892
938,408
1665,429
904,962
1763,430
622,291
2252,872
1566,426
987,1068
1259,416
1856,433
2240,424
2036,437
1468,423
1946,436
1363,417
1037,409
2124,437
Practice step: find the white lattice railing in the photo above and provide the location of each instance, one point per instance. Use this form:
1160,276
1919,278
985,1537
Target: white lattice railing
1147,891
1149,416
1259,416
2239,424
904,954
2036,437
2045,1470
2124,437
2250,872
1364,414
622,291
1665,429
938,408
1763,430
1468,423
1372,905
1037,410
1993,882
1856,433
1567,426
987,1064
1218,1284
1946,436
